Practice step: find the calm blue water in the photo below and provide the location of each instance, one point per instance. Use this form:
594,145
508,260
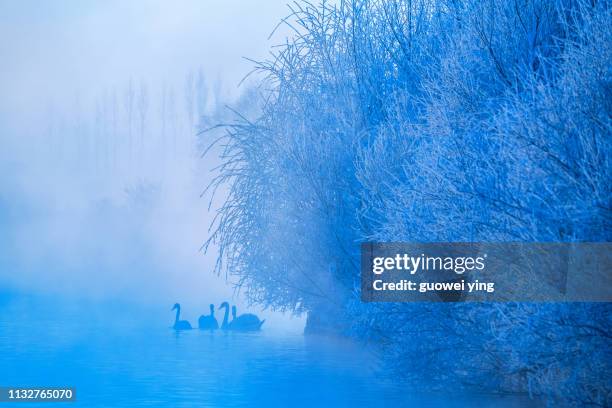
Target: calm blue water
116,359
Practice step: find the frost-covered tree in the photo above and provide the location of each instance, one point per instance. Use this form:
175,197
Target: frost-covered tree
430,121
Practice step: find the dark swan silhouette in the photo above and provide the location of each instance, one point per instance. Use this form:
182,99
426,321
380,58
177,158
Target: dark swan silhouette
180,324
245,322
208,322
224,325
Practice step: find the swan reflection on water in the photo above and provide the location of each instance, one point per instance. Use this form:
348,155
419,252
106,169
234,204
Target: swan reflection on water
246,322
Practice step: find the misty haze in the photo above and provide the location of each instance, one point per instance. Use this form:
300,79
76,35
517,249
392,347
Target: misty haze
187,189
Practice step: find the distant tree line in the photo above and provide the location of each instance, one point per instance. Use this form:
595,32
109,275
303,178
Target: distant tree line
135,132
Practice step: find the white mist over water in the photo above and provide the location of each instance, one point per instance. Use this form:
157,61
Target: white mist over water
100,163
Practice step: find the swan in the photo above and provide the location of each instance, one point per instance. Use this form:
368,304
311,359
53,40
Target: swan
245,322
224,305
208,322
180,324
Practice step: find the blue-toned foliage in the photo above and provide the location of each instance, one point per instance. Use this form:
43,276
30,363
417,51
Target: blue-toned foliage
431,120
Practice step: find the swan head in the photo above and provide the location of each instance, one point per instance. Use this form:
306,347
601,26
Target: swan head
224,304
176,306
212,308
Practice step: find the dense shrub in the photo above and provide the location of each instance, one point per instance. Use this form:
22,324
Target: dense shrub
430,121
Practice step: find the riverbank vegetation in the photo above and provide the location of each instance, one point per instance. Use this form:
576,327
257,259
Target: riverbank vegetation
430,120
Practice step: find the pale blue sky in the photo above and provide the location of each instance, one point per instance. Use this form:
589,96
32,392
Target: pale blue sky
53,50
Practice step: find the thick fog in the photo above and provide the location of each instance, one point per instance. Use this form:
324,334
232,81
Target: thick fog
100,161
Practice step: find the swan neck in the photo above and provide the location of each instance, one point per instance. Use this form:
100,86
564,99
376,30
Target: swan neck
178,312
225,315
